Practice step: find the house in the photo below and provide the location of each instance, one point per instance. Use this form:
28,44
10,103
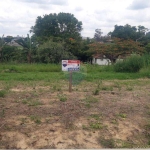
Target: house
100,60
11,41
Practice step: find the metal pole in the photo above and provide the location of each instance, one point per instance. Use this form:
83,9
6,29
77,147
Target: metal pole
70,82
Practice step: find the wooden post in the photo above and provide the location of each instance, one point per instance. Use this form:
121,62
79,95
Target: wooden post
70,82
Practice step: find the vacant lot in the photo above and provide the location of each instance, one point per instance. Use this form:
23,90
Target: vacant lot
97,114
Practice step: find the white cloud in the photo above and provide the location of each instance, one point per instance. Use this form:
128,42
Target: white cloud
139,4
53,2
17,16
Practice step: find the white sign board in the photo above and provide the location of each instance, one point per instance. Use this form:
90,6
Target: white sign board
70,65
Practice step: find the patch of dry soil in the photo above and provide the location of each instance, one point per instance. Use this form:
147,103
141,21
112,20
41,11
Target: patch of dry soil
39,118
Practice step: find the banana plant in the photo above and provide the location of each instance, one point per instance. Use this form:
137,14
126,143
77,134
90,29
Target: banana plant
28,46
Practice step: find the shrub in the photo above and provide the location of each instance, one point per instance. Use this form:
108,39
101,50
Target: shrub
132,64
146,60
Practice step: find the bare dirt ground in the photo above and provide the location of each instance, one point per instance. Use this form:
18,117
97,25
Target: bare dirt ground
104,114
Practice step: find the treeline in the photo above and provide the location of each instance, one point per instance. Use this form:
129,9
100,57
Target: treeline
58,36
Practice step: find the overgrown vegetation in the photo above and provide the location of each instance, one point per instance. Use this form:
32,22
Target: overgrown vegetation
131,64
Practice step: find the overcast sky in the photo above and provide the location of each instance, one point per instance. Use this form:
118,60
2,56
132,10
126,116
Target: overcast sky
17,16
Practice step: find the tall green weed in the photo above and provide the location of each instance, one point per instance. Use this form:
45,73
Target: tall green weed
131,64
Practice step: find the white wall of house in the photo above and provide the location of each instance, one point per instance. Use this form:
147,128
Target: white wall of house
100,61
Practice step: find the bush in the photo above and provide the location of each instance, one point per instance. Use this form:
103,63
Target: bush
146,60
132,64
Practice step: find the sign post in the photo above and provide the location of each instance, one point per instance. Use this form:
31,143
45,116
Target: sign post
70,82
70,66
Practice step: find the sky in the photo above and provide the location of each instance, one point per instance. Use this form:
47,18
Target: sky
17,16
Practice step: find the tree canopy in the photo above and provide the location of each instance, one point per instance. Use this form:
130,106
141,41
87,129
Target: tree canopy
53,52
63,25
128,32
119,47
58,36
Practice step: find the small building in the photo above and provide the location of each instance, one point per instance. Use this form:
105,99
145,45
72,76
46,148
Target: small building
100,60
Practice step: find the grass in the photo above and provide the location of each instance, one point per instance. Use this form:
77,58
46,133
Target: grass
114,121
107,88
106,143
117,85
56,88
31,102
96,91
36,119
96,125
122,115
95,116
2,113
129,88
30,68
131,64
52,72
62,97
114,143
90,100
2,93
42,85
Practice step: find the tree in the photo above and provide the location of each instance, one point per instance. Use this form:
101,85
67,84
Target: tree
53,52
10,53
147,48
128,32
63,25
2,43
62,28
144,37
98,35
28,46
125,32
118,48
8,39
142,30
83,53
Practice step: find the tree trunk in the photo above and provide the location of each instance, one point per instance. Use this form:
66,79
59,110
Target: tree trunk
29,57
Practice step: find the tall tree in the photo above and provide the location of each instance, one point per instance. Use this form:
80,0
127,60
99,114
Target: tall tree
129,32
63,25
142,34
125,32
98,35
